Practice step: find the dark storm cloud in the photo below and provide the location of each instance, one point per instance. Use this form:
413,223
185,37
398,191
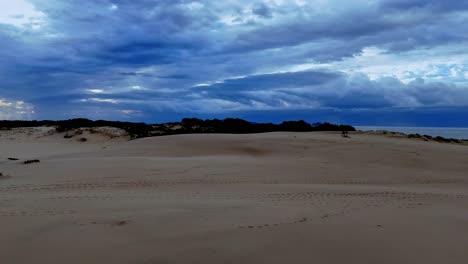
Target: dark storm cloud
434,5
336,90
152,56
274,81
397,27
262,10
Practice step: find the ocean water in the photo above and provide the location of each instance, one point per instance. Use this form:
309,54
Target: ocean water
446,132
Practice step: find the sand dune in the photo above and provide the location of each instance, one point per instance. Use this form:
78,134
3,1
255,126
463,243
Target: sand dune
263,198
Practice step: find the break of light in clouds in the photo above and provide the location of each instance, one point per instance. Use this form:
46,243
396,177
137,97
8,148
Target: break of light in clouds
274,59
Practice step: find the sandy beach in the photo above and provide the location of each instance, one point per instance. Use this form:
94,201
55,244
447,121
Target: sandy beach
214,198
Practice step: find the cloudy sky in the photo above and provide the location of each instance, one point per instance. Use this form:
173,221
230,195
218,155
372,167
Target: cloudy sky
363,62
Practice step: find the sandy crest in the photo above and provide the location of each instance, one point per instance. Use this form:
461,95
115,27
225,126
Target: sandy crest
263,198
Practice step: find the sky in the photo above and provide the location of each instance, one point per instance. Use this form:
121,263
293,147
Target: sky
360,62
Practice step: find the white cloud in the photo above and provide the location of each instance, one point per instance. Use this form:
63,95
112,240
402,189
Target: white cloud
95,91
15,110
4,103
100,100
130,112
441,63
20,13
193,5
447,63
113,7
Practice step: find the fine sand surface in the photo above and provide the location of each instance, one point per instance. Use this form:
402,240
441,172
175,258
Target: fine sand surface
263,198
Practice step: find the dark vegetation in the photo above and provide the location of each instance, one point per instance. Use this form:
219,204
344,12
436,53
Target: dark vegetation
137,129
239,126
186,126
438,139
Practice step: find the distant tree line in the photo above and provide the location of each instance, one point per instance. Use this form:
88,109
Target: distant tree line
187,126
240,126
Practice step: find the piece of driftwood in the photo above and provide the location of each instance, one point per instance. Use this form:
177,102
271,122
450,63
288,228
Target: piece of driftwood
31,161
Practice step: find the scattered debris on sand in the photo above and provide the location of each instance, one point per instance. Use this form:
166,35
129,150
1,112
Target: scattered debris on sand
426,138
437,139
31,161
345,134
120,223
